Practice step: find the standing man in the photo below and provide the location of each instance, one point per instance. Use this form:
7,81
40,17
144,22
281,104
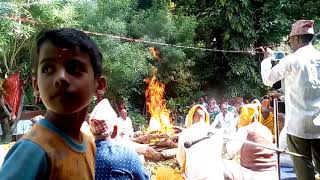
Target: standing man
301,72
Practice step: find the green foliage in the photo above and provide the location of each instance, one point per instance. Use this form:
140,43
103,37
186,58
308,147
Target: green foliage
230,25
2,91
139,122
240,25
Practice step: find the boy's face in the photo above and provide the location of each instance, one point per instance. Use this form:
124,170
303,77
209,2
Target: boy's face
65,79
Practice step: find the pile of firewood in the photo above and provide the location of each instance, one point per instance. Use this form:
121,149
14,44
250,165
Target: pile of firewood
165,144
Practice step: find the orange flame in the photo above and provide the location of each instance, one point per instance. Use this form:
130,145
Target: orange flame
160,119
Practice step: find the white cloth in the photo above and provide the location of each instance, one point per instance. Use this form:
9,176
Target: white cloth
104,111
285,159
301,71
125,126
203,160
23,127
227,122
2,155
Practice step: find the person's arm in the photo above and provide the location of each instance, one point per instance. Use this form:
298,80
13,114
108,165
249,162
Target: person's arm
25,161
270,74
139,171
234,145
215,121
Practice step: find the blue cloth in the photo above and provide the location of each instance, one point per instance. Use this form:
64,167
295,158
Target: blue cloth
114,162
26,160
287,173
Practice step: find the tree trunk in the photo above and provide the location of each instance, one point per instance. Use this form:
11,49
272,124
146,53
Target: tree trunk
6,130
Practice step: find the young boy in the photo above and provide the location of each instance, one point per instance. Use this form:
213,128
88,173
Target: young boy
68,68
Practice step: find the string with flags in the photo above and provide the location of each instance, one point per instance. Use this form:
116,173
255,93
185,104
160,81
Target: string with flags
128,39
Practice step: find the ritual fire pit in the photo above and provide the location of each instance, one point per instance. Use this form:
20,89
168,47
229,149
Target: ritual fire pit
164,143
161,134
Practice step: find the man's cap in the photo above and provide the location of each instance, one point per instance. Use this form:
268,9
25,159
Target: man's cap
301,27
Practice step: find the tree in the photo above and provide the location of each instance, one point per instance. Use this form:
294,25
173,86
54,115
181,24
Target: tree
20,22
241,25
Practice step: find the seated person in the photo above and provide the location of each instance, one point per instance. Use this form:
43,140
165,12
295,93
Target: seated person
247,113
225,120
203,160
125,124
267,118
213,109
255,162
103,108
112,160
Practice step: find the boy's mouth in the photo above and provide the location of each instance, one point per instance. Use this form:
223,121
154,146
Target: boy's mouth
63,94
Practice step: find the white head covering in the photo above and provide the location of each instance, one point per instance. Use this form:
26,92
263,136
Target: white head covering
103,118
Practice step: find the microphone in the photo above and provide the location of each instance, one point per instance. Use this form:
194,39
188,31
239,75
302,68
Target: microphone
188,144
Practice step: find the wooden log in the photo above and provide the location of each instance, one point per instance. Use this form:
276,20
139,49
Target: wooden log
166,143
146,139
154,156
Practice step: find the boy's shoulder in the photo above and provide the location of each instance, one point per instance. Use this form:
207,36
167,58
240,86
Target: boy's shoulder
25,156
50,138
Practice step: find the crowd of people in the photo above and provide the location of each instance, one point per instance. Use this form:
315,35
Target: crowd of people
67,144
252,132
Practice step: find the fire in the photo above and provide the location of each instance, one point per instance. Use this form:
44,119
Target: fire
160,118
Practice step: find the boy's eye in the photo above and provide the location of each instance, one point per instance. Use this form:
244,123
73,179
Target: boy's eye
75,67
47,69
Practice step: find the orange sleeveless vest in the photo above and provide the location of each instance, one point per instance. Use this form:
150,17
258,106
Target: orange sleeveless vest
65,163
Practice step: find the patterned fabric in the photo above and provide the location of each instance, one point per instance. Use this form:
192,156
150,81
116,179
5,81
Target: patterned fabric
302,27
103,118
100,126
114,162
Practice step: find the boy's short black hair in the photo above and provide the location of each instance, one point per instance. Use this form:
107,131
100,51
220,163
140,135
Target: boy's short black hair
70,38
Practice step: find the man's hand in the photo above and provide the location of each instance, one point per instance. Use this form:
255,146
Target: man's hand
145,149
267,52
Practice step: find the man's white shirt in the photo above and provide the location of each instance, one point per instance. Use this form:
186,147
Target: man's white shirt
301,72
125,126
227,122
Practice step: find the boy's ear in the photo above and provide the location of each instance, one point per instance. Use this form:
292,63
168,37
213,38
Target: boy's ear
35,87
101,86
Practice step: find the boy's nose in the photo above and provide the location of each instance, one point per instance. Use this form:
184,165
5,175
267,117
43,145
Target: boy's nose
61,79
